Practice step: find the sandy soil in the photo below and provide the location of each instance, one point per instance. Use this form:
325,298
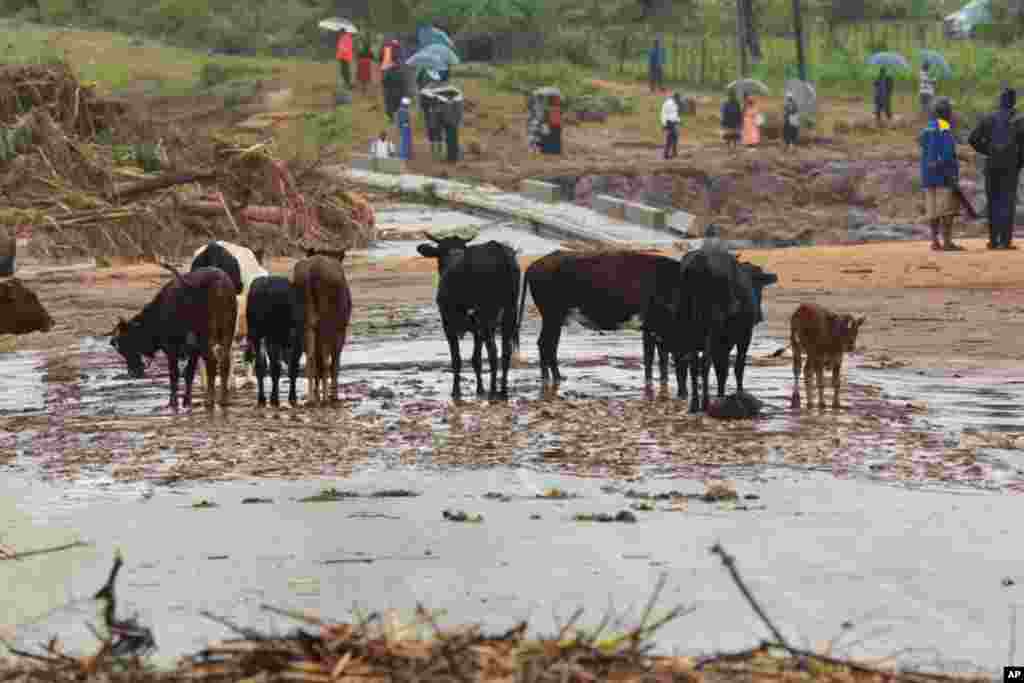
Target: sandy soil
924,308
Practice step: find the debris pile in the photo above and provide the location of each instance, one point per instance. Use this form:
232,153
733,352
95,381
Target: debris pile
83,176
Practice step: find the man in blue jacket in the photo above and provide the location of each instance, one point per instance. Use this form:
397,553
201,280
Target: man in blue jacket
940,174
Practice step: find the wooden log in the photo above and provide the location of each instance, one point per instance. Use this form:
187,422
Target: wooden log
125,190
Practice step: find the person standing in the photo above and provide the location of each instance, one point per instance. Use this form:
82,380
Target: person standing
883,96
926,90
382,148
1000,137
732,119
343,53
751,122
670,123
364,69
940,174
404,119
656,66
790,122
391,79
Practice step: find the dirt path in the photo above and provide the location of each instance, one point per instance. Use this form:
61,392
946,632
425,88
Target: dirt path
924,308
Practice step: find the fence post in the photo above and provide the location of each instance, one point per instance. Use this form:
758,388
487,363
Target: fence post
703,57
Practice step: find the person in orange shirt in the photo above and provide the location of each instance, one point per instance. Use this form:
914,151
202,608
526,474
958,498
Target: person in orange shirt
344,57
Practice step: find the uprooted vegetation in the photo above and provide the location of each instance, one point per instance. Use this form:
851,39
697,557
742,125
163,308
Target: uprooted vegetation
80,175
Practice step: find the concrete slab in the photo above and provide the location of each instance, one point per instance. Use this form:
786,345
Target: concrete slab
680,222
389,165
643,214
363,163
540,191
609,206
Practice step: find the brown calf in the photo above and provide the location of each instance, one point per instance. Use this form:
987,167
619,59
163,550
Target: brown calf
323,307
20,310
824,337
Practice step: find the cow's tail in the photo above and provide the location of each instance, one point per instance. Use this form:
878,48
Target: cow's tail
517,354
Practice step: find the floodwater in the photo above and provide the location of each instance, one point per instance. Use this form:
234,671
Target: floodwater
895,515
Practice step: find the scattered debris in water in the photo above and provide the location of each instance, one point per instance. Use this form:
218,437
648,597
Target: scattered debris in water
461,516
718,491
204,505
329,496
621,516
256,501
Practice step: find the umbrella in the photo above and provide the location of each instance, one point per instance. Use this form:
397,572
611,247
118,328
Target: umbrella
889,59
933,58
746,86
805,96
338,24
437,57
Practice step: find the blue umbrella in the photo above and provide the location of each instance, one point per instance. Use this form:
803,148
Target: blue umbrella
436,57
933,58
436,36
888,59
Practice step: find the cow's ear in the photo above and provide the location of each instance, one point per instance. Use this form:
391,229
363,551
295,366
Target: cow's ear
428,250
259,254
310,252
860,321
340,254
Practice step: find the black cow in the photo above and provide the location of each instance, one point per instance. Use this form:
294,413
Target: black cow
193,315
478,290
216,256
606,290
271,319
720,304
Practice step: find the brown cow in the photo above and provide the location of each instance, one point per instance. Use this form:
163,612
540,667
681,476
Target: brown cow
824,337
323,307
20,310
192,315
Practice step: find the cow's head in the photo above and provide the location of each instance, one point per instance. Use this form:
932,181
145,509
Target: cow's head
447,250
759,279
132,342
845,328
20,310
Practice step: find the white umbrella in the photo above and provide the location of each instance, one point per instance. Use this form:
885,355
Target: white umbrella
338,24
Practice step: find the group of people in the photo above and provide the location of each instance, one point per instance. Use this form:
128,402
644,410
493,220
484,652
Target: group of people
884,87
1000,138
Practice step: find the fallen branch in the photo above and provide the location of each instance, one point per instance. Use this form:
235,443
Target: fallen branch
730,564
43,551
124,191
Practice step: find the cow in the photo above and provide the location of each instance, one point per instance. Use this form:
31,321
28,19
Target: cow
322,310
270,309
477,291
243,266
720,304
606,290
20,309
824,337
192,315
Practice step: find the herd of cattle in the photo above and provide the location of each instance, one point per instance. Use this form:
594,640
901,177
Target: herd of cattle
695,310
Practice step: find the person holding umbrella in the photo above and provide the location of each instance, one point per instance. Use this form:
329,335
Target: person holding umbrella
732,119
883,96
940,175
751,122
670,122
790,122
656,66
343,53
364,69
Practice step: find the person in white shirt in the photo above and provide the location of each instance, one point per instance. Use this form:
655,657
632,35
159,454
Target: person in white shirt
670,122
382,148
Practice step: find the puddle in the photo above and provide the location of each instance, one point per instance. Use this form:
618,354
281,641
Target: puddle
817,552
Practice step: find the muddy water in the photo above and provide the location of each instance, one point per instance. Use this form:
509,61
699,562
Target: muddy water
824,542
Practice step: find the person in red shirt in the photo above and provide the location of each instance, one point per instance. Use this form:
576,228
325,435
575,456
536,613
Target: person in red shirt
344,57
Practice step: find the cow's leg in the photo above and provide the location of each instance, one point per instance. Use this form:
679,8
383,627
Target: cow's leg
293,369
256,345
663,355
547,344
212,366
172,371
682,362
492,358
819,378
797,360
190,375
478,363
705,371
741,360
274,352
648,342
335,355
836,367
224,363
810,371
312,355
720,358
453,348
506,360
695,373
